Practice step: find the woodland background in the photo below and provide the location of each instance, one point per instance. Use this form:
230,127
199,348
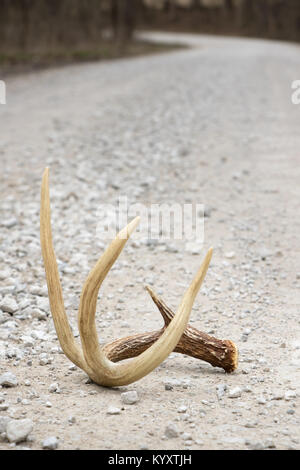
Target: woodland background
32,26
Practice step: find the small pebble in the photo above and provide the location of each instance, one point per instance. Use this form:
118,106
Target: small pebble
112,410
235,392
129,398
221,389
9,305
53,388
171,431
50,443
18,430
4,420
289,395
8,379
182,409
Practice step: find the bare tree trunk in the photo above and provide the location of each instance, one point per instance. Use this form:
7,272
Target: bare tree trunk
24,11
263,14
123,19
247,13
229,16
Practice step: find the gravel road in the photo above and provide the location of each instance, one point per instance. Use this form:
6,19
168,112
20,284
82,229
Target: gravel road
215,125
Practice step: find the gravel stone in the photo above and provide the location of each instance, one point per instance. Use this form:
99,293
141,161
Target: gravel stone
9,305
18,430
171,431
9,223
235,392
4,274
8,379
4,420
54,387
39,314
50,443
182,409
289,395
221,389
129,398
112,410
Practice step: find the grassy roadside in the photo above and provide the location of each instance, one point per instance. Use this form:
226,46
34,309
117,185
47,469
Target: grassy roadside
22,62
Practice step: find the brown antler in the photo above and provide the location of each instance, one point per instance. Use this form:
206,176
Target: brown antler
194,343
92,359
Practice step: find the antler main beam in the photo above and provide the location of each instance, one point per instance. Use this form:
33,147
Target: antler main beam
92,358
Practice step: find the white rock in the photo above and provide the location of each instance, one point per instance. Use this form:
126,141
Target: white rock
277,395
289,395
170,383
221,389
4,420
171,431
9,223
235,392
186,436
230,254
193,248
261,400
182,409
5,274
9,305
53,387
42,303
37,313
129,398
8,379
38,290
50,443
27,341
18,430
264,252
41,335
112,410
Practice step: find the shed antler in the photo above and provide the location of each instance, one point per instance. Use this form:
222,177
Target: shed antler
100,363
194,343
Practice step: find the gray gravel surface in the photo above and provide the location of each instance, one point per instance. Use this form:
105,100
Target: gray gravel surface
213,125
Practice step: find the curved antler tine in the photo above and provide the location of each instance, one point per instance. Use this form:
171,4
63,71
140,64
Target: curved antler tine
107,372
159,351
60,319
93,354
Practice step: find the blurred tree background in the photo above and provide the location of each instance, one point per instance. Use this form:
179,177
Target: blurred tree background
38,24
276,19
39,33
91,29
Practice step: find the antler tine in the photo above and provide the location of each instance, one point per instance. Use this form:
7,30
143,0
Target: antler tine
63,330
93,354
108,373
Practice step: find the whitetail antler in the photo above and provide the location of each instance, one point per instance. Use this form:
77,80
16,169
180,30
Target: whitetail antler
92,358
193,342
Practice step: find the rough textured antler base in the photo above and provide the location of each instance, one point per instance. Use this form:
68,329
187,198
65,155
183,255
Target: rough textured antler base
194,343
